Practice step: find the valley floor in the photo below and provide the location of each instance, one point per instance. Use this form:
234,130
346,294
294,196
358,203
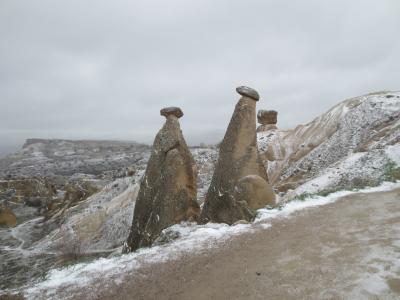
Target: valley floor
349,249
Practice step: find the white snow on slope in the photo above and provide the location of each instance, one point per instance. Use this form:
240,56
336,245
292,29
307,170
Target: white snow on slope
193,238
360,124
368,167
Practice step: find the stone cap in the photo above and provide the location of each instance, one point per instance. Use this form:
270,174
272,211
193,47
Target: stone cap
266,117
248,92
175,111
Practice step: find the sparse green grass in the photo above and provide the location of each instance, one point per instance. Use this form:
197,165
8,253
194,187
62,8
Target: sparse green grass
391,172
303,197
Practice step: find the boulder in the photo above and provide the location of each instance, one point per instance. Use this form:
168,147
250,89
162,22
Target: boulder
168,191
7,217
266,117
255,191
238,157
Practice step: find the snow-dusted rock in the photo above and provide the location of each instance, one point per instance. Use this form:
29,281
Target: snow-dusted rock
362,124
101,222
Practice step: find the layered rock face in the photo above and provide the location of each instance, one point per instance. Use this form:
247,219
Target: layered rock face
267,119
238,158
168,192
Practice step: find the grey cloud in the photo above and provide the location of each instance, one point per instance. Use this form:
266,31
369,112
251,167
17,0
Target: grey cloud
103,69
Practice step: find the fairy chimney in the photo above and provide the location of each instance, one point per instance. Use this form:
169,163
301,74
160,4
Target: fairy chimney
168,191
227,199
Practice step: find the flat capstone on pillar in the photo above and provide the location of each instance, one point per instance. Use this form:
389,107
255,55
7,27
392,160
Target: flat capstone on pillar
248,92
171,111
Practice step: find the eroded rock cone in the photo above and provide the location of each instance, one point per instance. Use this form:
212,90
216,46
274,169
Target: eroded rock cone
238,158
267,119
168,192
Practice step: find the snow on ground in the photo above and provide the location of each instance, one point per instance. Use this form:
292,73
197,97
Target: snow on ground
192,238
360,168
383,266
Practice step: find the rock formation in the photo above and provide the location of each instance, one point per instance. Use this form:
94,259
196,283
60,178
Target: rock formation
7,217
168,190
228,198
267,119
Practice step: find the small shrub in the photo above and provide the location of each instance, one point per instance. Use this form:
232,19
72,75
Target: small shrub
71,248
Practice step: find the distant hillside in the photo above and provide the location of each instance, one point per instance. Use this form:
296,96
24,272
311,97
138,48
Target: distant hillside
47,157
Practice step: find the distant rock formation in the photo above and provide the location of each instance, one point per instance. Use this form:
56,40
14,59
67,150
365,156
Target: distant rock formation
267,119
228,198
168,192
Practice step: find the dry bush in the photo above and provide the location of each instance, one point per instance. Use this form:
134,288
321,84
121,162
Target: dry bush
71,247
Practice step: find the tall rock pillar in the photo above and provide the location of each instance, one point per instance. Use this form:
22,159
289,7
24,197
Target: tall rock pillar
168,191
239,185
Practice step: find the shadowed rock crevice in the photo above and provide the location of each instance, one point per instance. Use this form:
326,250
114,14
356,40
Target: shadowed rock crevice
168,192
238,158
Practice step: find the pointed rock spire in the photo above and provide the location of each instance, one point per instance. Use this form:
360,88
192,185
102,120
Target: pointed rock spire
168,191
227,199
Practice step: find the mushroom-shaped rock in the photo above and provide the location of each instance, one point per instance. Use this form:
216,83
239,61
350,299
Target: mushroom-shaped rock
238,157
168,191
171,111
248,92
255,191
266,117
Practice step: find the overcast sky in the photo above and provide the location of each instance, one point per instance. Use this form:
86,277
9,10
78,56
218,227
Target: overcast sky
103,69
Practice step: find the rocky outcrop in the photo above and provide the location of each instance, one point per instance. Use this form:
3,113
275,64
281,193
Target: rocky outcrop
238,158
74,192
168,190
267,119
30,190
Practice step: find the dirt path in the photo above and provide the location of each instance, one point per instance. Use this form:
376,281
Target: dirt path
346,250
